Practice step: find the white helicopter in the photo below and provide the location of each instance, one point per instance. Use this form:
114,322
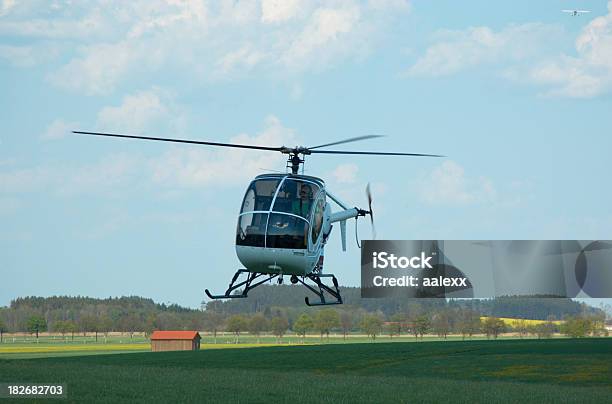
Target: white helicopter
575,13
285,221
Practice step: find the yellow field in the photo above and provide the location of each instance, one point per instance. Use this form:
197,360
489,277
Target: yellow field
514,321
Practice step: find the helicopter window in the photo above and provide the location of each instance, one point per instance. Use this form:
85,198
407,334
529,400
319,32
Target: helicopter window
295,197
318,219
285,231
251,229
259,195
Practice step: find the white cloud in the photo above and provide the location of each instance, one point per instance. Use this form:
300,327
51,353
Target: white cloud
5,6
59,129
98,69
27,56
110,176
152,110
448,184
242,59
113,173
199,41
528,53
401,5
454,51
184,167
325,32
276,11
587,74
90,26
178,168
345,173
197,167
25,179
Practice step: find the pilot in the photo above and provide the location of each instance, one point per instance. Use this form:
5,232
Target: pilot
302,205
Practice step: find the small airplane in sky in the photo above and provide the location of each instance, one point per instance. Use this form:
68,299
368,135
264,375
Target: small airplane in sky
574,13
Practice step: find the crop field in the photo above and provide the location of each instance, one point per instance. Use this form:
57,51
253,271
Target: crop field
557,370
27,347
513,322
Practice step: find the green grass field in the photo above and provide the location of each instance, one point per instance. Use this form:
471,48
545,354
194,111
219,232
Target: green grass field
28,347
558,370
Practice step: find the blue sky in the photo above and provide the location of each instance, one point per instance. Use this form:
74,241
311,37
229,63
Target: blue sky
517,94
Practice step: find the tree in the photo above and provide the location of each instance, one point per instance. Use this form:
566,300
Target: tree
105,325
544,330
577,327
441,323
60,326
372,325
236,324
598,324
493,326
3,328
521,327
213,322
258,324
89,323
396,325
279,326
150,324
346,323
302,325
421,325
468,322
325,320
71,328
130,322
419,321
37,324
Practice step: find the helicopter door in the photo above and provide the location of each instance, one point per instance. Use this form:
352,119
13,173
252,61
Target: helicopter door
317,220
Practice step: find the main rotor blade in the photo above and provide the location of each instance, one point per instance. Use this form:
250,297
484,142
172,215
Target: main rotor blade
162,139
353,139
375,153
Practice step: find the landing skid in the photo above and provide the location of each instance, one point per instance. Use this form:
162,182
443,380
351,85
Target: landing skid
255,279
323,288
248,285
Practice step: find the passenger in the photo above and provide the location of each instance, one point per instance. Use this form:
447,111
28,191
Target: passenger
302,205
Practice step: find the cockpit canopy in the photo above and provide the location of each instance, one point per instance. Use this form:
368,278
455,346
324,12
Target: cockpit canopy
281,211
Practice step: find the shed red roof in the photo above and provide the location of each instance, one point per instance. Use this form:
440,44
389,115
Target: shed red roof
189,335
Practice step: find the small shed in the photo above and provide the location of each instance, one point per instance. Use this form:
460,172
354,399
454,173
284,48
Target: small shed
175,341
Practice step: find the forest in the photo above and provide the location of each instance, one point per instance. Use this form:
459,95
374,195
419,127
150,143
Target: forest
275,306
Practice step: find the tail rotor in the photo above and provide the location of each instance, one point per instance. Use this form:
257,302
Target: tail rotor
369,196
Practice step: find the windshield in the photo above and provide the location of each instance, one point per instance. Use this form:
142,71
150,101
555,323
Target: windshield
259,195
295,197
251,229
285,231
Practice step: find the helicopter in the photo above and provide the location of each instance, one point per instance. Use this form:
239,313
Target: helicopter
285,221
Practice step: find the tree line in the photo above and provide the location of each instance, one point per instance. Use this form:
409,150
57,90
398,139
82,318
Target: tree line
286,296
417,323
417,317
72,315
